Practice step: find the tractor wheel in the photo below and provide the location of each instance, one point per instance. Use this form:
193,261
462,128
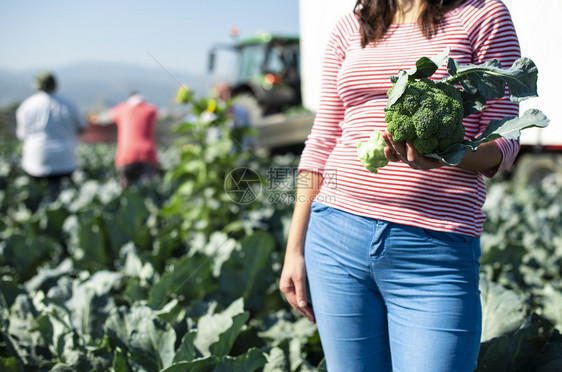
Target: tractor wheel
532,169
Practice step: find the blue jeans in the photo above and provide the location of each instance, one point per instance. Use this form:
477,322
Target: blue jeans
391,297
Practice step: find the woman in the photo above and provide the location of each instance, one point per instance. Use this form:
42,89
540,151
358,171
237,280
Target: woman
391,259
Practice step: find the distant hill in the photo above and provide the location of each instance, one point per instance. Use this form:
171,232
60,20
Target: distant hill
97,86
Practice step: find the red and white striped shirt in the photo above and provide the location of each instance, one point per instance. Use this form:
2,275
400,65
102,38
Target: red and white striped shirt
354,85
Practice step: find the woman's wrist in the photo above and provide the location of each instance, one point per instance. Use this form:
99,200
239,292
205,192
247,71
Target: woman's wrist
487,157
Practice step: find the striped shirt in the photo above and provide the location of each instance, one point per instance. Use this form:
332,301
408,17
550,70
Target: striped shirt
354,85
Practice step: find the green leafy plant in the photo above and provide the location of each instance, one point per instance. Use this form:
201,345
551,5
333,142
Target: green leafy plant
102,280
209,152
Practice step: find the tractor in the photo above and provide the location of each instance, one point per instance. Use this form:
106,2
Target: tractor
267,78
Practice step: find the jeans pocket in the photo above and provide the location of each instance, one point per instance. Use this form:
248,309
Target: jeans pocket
320,209
449,238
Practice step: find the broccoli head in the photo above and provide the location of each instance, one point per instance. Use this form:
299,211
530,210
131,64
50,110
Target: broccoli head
428,113
401,126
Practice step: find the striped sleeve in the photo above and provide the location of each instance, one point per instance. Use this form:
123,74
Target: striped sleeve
326,128
492,35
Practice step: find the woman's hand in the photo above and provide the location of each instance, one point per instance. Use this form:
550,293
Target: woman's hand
486,158
293,285
407,153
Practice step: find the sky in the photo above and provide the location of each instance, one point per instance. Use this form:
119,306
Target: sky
174,33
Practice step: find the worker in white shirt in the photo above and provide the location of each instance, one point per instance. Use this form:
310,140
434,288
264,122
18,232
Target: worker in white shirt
48,125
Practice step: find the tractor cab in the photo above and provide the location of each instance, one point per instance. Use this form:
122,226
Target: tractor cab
267,71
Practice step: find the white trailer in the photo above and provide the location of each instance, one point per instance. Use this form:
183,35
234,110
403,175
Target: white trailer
537,27
539,34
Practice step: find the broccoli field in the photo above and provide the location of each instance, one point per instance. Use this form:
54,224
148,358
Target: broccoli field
175,276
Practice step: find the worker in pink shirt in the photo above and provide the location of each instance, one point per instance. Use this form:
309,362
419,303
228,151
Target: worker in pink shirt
136,156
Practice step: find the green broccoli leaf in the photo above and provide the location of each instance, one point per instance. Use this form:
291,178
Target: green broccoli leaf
474,80
425,67
488,79
472,103
511,127
508,127
399,87
453,155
